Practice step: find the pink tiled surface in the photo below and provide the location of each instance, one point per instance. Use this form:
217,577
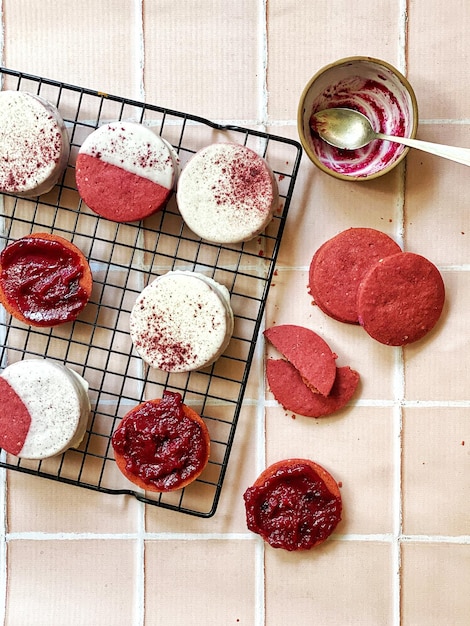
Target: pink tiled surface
401,555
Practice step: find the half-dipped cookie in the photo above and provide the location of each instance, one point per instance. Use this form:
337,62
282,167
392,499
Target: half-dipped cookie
125,171
44,409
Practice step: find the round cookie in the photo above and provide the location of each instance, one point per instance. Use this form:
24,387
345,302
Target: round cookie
339,265
161,445
308,353
294,504
44,410
227,193
125,172
34,148
182,321
287,386
45,280
401,299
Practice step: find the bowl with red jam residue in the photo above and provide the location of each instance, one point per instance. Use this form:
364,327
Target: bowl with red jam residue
372,87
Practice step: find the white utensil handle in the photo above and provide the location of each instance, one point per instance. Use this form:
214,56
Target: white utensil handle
460,155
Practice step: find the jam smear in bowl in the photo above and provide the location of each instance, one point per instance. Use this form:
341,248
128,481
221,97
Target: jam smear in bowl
377,90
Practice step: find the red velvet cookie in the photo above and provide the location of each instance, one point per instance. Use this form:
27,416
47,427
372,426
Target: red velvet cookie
293,394
401,299
294,504
44,408
161,445
45,280
125,171
339,265
308,353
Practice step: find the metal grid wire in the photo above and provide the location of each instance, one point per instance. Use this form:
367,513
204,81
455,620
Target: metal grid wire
123,259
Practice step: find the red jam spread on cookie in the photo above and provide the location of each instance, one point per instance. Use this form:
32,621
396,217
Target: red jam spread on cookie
161,444
291,506
41,278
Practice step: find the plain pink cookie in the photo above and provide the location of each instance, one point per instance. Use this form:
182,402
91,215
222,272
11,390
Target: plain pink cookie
339,265
401,299
125,172
308,353
292,393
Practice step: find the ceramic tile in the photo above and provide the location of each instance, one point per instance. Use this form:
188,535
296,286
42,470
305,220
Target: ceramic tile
447,343
436,471
224,594
302,39
437,38
355,447
290,303
218,57
435,584
55,593
31,500
323,206
230,515
338,583
437,219
103,58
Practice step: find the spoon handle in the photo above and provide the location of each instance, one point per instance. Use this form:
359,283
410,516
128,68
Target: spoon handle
460,155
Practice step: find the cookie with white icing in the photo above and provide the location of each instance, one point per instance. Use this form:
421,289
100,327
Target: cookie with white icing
125,171
182,321
227,193
34,144
44,410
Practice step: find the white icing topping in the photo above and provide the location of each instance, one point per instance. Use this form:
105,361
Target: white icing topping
136,149
227,193
34,145
182,321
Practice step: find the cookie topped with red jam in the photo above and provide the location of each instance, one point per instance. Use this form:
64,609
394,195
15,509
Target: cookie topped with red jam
45,280
161,445
294,504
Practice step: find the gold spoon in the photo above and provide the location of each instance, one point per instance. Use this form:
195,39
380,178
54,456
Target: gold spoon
348,129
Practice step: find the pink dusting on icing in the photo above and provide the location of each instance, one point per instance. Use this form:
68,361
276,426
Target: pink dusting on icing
17,173
158,340
244,181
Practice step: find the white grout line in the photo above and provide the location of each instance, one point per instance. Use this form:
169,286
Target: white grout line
3,473
399,367
403,36
139,34
3,543
259,564
399,392
243,536
262,62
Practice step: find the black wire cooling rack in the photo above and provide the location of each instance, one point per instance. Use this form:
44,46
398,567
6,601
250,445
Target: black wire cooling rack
123,258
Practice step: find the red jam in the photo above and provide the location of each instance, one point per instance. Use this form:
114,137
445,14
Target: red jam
161,445
293,508
41,278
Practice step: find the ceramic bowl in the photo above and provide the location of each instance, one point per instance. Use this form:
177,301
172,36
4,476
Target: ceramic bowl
376,89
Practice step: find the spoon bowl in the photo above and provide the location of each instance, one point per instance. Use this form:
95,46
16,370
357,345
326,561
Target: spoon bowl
349,129
373,87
